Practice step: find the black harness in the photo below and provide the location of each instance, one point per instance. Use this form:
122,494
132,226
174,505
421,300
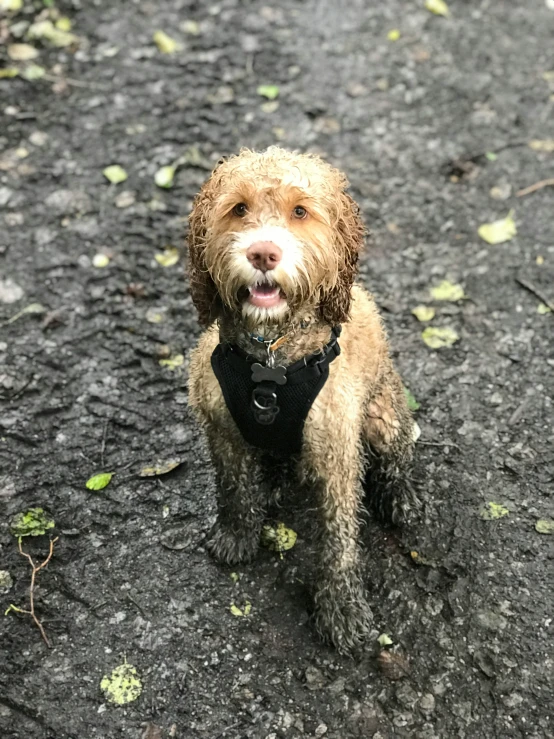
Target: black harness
268,403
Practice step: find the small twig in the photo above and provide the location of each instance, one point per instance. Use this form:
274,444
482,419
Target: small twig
537,186
74,83
36,569
438,443
537,293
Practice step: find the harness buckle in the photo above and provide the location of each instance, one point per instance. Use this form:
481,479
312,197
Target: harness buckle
264,405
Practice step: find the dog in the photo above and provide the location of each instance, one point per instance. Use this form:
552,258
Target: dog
294,367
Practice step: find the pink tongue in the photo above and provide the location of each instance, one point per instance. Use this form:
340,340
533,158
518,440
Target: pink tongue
264,296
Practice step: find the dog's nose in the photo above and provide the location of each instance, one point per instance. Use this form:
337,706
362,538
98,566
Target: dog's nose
264,255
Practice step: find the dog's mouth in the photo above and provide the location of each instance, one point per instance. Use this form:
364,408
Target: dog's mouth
265,294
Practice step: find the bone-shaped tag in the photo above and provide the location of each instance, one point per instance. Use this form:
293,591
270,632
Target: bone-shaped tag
278,374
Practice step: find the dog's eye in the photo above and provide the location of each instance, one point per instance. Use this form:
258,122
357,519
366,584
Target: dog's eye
240,210
299,212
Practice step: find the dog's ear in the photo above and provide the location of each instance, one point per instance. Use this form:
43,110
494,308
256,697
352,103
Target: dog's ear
334,305
202,288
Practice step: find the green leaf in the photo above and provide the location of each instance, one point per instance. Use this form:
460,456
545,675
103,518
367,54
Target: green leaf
99,482
491,511
543,309
447,290
437,338
278,538
164,176
122,685
268,91
545,526
438,7
385,640
115,174
33,522
33,72
245,611
413,405
491,156
165,43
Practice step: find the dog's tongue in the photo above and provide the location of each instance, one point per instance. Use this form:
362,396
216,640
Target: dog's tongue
264,296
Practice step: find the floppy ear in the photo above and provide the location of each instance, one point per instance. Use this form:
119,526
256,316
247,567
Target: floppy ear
334,306
202,288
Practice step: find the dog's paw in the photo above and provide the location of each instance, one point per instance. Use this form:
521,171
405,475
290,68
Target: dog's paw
232,547
343,617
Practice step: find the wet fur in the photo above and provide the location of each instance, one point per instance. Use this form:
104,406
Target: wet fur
359,427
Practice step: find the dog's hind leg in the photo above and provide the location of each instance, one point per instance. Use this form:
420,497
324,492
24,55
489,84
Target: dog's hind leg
388,435
241,498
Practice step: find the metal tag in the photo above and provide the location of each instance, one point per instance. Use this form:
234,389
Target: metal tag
278,374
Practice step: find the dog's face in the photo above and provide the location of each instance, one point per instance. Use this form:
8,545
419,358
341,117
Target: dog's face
273,234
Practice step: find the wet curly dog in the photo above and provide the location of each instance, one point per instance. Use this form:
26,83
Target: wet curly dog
294,366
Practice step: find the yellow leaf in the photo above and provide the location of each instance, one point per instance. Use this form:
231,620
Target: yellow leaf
543,309
542,145
423,313
173,362
393,34
63,24
500,231
437,338
278,538
236,611
491,511
100,260
545,526
22,52
164,176
47,30
161,469
438,7
115,174
165,43
447,291
122,685
190,27
8,72
168,257
385,640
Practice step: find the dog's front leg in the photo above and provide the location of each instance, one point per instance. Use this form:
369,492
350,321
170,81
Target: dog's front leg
241,500
342,614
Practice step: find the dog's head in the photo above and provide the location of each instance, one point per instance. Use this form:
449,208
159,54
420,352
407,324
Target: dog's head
272,234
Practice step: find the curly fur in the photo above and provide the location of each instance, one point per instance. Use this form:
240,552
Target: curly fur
359,426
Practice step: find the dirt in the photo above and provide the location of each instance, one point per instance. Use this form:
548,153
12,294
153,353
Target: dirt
83,391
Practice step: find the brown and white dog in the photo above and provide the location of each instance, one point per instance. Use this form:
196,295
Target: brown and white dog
274,244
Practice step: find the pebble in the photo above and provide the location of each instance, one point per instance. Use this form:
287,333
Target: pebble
65,202
427,703
6,582
125,199
5,195
10,292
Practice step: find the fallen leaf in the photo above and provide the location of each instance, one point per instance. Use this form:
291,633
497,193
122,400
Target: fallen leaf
47,31
491,511
115,174
413,405
190,27
418,559
63,24
8,72
542,145
244,611
545,526
33,522
278,538
268,91
100,260
438,7
165,43
99,482
164,176
22,52
122,685
168,258
155,315
234,577
13,5
160,469
33,72
416,432
543,309
500,231
393,34
393,665
385,640
270,106
32,309
437,338
173,362
447,291
423,313
491,156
